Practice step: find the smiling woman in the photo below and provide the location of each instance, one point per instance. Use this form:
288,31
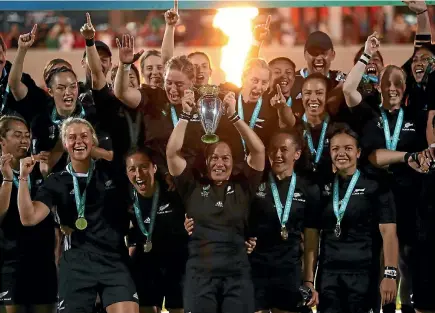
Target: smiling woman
94,218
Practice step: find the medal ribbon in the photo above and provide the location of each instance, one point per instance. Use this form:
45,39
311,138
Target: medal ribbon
133,128
80,200
316,153
174,116
139,216
283,216
391,142
254,116
59,121
340,209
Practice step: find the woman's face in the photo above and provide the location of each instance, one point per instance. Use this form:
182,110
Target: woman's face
202,69
64,90
282,153
314,97
392,87
16,140
344,152
219,162
176,83
420,62
140,172
256,82
78,141
133,80
283,73
153,71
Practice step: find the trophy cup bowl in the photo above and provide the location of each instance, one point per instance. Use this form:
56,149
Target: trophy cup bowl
210,112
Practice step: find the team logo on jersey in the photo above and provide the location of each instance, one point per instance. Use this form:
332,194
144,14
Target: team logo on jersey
380,123
409,127
109,184
299,96
219,204
147,220
260,193
258,123
230,190
297,196
3,296
358,191
38,182
60,305
162,209
205,191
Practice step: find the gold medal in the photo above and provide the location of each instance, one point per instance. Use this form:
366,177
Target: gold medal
284,233
81,223
148,245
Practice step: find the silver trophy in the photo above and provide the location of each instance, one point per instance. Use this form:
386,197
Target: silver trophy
210,112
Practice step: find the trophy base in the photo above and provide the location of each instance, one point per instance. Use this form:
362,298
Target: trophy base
210,138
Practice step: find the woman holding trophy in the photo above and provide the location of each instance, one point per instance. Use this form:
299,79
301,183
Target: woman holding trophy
217,272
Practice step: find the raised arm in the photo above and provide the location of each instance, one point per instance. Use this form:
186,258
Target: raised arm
285,113
350,87
423,34
261,32
176,161
92,57
171,19
6,187
256,158
129,96
17,88
31,213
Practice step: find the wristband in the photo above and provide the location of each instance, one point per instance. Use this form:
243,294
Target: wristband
235,119
232,116
8,181
363,61
406,157
419,13
390,272
90,42
368,56
22,178
127,67
309,281
185,116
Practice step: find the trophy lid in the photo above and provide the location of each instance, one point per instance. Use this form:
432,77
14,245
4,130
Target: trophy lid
209,90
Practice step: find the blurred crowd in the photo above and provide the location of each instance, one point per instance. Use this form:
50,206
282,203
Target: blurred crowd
60,30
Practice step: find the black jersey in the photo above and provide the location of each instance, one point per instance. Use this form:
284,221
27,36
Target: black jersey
106,210
217,246
271,250
358,247
25,243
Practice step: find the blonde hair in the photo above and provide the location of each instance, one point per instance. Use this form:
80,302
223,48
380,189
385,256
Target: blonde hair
390,68
76,120
253,63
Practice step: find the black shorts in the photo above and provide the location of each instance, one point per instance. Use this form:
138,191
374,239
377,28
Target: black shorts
277,291
423,276
28,284
229,294
157,281
346,292
84,274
